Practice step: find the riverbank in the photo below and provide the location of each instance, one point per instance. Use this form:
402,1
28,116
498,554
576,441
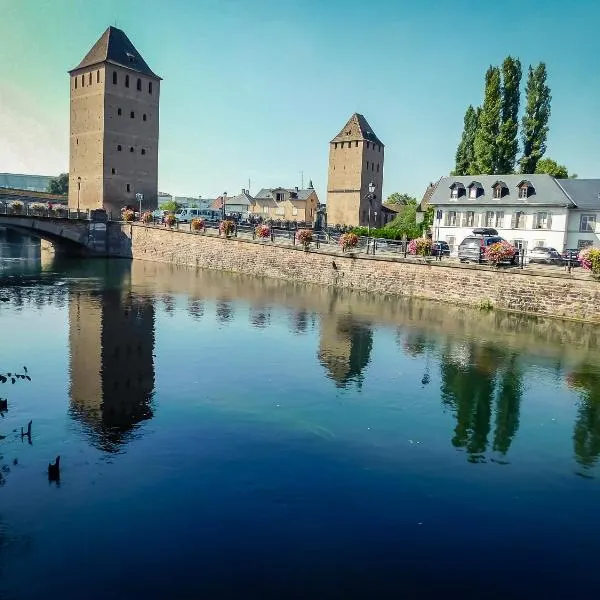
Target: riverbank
559,295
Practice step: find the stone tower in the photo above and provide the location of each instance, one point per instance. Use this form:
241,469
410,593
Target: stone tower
114,127
355,161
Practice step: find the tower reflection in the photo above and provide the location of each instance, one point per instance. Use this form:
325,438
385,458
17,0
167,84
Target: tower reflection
111,338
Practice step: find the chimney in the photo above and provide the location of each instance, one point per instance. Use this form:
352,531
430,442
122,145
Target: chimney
296,188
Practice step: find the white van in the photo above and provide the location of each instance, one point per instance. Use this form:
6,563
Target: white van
185,215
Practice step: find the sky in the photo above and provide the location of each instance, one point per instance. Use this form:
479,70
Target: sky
254,90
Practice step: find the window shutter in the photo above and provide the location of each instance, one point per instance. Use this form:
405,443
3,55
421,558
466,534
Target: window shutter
536,220
513,220
549,221
446,218
463,221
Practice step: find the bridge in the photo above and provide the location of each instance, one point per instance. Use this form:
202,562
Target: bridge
70,232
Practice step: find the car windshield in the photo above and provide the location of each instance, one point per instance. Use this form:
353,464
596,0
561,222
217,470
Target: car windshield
471,242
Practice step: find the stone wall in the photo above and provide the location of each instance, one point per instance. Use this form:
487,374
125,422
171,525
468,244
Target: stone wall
561,295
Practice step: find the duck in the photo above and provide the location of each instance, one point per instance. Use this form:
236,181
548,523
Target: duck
54,470
3,404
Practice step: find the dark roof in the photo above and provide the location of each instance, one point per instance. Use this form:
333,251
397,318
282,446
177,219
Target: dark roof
11,194
357,129
585,193
545,191
267,193
115,47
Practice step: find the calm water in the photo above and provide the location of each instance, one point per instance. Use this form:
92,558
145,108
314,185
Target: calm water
228,437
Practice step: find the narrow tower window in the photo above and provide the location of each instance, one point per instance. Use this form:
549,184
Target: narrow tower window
98,76
119,148
130,148
75,82
90,79
139,85
114,77
128,187
149,87
144,117
112,171
83,81
126,80
119,111
143,151
132,115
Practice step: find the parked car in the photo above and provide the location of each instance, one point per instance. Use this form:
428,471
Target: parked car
185,215
543,255
472,247
571,256
440,249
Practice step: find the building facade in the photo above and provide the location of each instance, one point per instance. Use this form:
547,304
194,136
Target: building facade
356,158
526,210
238,205
114,127
286,204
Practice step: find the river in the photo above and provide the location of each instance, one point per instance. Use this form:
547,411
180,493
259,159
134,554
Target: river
232,437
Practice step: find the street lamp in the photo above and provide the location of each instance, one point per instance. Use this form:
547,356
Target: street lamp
370,196
223,204
78,191
140,197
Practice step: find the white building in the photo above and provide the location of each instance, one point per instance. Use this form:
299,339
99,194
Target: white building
526,210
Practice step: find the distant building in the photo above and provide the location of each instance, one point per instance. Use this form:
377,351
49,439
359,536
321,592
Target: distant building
31,183
286,204
355,160
526,210
114,127
240,204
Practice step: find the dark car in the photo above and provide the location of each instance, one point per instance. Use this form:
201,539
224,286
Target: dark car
543,255
471,249
440,249
571,257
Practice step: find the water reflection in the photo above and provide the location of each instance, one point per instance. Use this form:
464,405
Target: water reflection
111,338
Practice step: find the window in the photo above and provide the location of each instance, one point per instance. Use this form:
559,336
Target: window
294,210
139,85
112,171
77,141
518,220
587,223
114,78
98,76
266,210
520,244
75,82
540,221
489,219
498,191
128,187
524,191
90,79
539,243
450,218
454,193
378,167
279,196
367,145
131,149
451,241
119,112
311,213
473,192
126,80
499,222
83,81
356,144
132,115
144,117
581,244
280,210
119,148
468,219
149,87
143,151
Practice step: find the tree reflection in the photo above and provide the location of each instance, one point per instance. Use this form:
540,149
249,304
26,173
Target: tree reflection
470,382
196,309
224,311
260,317
586,435
300,321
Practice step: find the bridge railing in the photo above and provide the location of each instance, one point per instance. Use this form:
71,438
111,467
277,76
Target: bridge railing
58,211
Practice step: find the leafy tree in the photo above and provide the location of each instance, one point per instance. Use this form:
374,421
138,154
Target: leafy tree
507,142
171,206
398,198
488,127
534,125
59,185
465,153
551,167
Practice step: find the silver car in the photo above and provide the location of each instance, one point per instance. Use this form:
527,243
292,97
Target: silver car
543,255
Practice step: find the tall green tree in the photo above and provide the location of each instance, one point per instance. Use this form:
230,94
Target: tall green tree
534,125
507,142
488,127
59,185
402,199
551,167
465,153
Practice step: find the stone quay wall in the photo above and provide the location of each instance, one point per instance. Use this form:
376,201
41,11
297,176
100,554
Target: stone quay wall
556,295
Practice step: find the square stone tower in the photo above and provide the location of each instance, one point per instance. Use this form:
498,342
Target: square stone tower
355,160
114,127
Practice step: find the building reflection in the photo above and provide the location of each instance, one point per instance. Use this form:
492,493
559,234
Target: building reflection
111,337
345,346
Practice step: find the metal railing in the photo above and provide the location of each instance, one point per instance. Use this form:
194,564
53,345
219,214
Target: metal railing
56,212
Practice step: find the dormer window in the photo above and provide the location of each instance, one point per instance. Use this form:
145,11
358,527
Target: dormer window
525,189
475,189
457,190
500,189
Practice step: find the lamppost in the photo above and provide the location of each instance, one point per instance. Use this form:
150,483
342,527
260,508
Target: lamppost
223,204
370,197
78,191
140,197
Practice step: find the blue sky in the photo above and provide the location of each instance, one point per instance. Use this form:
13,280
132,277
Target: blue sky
256,89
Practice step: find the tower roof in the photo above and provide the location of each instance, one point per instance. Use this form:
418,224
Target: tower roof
355,129
115,47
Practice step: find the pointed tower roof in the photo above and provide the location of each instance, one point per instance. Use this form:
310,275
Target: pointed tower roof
115,47
357,129
310,185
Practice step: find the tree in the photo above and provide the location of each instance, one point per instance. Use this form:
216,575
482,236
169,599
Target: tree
406,222
551,167
403,199
465,153
59,185
507,142
171,206
534,125
488,127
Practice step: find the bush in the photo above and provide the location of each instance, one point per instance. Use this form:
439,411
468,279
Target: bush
263,231
16,206
500,252
384,233
170,219
59,210
590,260
37,208
198,225
348,240
147,217
304,237
128,215
226,227
420,247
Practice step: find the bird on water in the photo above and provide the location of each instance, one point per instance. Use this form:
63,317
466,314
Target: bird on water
54,470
